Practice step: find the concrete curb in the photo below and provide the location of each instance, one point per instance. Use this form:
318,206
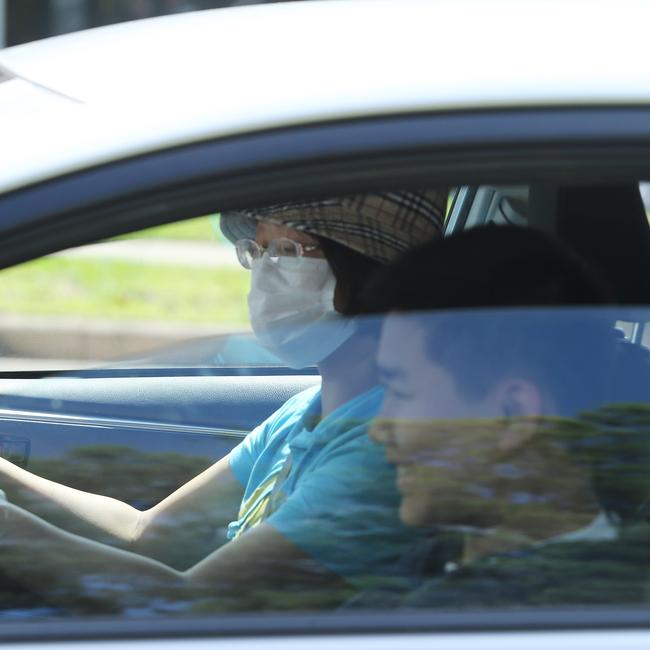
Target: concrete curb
35,337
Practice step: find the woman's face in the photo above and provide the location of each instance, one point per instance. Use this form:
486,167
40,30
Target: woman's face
266,232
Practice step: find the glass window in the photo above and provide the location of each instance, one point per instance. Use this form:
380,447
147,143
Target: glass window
477,437
500,461
168,296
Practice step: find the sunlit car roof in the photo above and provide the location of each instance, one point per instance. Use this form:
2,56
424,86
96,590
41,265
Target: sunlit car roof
79,100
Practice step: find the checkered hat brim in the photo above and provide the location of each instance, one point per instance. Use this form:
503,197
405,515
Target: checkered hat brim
380,226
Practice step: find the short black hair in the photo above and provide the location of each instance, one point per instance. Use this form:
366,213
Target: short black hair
488,266
505,266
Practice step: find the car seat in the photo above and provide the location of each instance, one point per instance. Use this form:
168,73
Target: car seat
607,225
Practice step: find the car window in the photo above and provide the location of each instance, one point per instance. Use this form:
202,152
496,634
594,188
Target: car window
167,296
499,462
509,204
497,205
536,207
477,437
102,352
465,475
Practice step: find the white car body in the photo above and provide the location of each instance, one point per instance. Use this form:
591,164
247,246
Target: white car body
78,101
88,98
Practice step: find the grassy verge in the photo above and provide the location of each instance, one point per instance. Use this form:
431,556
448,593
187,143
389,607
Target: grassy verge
125,291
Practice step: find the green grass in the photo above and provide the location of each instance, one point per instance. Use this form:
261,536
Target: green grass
126,291
199,229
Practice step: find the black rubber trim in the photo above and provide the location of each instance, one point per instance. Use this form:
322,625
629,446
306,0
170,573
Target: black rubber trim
313,160
243,371
251,625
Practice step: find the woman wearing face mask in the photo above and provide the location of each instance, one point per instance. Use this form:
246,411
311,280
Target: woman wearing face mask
310,460
317,504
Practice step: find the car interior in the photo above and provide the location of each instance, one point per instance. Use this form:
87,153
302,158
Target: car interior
597,221
98,418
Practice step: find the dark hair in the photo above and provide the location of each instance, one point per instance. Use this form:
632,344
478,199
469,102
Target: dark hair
504,266
352,271
516,267
489,266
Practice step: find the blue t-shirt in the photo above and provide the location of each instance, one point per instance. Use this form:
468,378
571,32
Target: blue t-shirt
324,485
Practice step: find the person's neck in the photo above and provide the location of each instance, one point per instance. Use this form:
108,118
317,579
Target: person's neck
349,371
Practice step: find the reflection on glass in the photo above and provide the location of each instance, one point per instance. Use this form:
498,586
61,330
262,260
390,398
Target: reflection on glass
476,420
501,461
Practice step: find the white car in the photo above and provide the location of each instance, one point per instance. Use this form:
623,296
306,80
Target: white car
533,113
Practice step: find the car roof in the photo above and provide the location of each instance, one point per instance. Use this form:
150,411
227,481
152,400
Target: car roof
83,99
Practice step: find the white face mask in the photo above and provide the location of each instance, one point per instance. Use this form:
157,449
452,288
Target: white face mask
291,305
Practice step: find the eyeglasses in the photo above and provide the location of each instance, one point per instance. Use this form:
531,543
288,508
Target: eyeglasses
283,248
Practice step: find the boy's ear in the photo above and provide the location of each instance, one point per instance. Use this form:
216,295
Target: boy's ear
519,399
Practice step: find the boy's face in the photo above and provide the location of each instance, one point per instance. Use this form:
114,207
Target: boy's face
422,407
460,462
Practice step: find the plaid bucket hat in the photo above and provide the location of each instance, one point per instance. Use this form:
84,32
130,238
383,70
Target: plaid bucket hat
380,226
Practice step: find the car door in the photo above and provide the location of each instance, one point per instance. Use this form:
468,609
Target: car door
201,401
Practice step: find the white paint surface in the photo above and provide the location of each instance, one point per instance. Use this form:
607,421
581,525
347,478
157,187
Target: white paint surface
146,85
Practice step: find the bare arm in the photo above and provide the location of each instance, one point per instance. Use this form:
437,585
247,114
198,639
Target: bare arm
191,522
261,569
193,513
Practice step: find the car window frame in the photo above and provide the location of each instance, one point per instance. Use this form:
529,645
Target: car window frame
319,160
437,148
